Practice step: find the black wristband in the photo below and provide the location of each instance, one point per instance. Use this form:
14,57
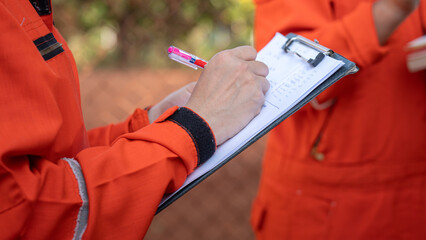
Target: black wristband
199,131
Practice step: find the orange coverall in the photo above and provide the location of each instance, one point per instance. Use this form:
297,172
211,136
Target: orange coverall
58,181
357,169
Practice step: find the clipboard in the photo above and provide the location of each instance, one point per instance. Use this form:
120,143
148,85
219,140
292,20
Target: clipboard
347,68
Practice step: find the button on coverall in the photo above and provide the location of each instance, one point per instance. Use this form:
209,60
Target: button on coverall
357,169
58,181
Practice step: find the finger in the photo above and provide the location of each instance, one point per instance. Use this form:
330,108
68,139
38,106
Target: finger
247,53
264,83
259,68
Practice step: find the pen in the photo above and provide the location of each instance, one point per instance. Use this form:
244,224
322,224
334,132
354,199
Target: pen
186,58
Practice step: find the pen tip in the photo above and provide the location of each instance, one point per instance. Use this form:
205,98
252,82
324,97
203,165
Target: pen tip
170,50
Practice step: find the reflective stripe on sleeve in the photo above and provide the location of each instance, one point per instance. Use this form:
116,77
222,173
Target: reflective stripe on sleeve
83,213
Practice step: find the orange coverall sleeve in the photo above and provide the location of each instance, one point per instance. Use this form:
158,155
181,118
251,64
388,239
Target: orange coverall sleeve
352,35
126,181
104,136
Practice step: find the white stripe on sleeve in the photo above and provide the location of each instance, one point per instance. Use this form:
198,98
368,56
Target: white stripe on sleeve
83,213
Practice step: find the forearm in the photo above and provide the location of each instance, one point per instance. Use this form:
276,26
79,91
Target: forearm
139,168
104,136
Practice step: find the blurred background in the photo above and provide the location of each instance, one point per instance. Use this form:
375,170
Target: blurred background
121,51
133,33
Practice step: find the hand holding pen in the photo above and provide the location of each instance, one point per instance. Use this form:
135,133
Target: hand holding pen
230,91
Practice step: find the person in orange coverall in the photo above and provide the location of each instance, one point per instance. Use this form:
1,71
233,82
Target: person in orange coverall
352,164
58,181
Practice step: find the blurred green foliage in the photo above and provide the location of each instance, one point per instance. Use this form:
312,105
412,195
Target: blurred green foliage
138,32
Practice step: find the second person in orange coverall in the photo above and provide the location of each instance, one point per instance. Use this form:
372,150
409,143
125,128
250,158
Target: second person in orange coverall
351,165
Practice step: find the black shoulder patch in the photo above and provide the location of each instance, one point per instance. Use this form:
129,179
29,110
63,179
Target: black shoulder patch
48,46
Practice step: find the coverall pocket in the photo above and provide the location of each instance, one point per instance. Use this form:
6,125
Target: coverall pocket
310,217
297,217
319,145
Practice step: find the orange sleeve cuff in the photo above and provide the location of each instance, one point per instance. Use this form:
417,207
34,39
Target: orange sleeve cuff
137,120
199,131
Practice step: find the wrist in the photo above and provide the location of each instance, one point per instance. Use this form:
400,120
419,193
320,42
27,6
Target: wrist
198,129
403,7
387,17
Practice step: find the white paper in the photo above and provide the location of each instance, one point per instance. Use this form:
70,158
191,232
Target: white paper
291,79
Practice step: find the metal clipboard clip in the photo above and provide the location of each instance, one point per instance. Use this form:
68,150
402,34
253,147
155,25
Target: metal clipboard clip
322,51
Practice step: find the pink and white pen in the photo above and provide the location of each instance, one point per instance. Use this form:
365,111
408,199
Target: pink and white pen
186,58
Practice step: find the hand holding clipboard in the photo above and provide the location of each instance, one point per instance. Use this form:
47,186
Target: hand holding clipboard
299,70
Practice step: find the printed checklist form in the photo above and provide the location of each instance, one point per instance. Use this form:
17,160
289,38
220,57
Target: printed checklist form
293,83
